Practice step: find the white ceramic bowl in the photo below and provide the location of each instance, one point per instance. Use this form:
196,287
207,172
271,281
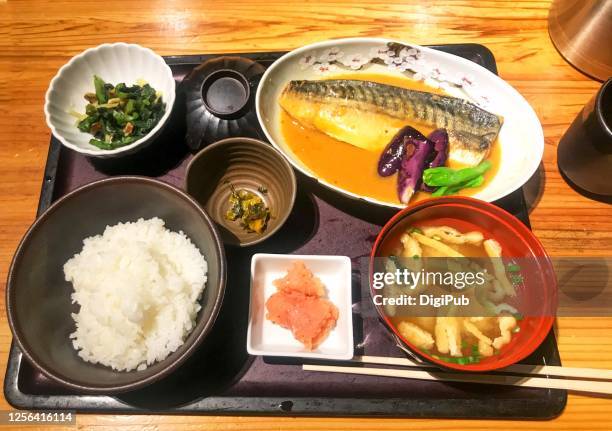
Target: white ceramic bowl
521,137
264,338
115,63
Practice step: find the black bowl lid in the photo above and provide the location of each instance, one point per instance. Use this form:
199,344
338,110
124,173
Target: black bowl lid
219,97
226,93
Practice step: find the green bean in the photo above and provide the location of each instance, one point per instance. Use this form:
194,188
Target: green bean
443,176
452,190
100,90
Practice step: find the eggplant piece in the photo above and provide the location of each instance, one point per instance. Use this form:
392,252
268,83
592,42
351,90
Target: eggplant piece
440,153
440,139
391,158
410,175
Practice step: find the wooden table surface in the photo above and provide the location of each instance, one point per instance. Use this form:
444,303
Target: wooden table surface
40,36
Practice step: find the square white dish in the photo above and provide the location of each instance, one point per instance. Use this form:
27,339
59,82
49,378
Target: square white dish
265,338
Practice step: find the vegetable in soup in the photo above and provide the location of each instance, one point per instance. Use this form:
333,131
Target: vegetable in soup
458,339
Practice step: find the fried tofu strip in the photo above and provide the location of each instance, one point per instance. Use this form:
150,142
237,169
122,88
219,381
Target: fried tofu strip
448,336
494,251
390,290
485,349
441,336
411,249
453,236
428,323
416,335
506,325
484,342
411,246
472,329
439,246
484,324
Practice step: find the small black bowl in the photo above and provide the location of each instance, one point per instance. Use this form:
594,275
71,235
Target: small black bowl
38,297
219,96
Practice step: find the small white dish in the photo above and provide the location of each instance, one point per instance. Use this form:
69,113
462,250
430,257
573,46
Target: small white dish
265,338
115,63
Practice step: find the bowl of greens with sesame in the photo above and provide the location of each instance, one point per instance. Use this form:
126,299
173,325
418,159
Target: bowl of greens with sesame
110,100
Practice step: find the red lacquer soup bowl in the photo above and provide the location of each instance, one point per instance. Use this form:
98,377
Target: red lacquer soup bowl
536,296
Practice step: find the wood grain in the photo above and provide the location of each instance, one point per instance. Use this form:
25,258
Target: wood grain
37,37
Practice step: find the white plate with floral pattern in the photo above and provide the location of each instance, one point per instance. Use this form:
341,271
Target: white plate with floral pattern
521,137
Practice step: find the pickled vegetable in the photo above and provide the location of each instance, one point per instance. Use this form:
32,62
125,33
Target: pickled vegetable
249,208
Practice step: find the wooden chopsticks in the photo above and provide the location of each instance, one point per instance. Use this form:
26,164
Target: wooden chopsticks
537,370
497,378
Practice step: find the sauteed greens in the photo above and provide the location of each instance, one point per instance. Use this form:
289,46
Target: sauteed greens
119,115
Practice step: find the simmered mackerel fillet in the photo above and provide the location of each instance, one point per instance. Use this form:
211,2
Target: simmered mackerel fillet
366,114
300,306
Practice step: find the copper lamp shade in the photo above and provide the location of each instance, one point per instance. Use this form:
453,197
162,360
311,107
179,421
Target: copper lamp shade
582,32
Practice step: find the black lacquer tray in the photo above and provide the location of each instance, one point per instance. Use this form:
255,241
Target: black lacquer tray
221,378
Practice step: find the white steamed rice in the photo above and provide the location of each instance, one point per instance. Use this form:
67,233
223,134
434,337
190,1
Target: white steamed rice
138,286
